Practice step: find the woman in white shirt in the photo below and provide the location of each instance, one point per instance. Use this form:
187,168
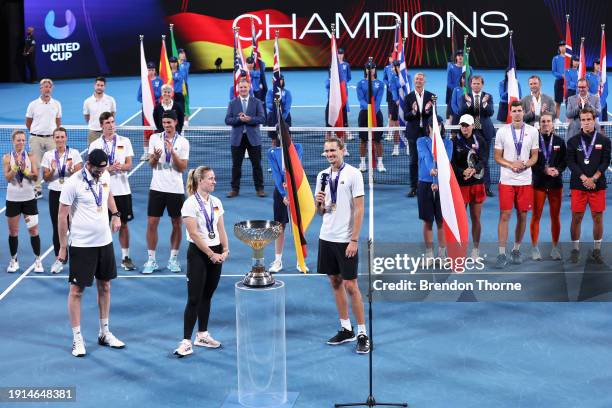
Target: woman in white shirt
21,172
208,248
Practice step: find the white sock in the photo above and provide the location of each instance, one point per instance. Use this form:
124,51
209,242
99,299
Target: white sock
475,253
379,160
429,253
362,160
396,147
151,254
103,326
441,251
76,332
361,329
125,253
517,246
173,253
576,244
597,244
502,250
346,324
202,333
278,257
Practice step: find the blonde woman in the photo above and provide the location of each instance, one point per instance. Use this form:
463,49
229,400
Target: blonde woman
208,248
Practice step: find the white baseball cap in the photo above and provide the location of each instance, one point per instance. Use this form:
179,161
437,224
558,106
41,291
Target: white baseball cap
467,119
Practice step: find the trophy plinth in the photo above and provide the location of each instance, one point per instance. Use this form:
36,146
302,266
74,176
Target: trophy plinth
257,234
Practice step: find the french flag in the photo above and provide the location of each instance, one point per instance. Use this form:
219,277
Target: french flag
454,215
338,95
513,88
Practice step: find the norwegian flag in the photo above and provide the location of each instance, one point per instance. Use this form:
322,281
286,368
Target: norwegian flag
239,63
513,88
568,51
397,42
582,66
602,61
338,96
255,50
276,70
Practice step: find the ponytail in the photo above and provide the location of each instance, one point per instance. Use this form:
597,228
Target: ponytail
193,178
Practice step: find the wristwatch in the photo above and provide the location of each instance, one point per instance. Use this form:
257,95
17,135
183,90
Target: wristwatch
116,214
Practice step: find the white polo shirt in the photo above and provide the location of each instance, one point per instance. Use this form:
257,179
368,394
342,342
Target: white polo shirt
338,225
167,179
43,115
119,182
89,227
49,157
505,141
95,107
24,191
191,208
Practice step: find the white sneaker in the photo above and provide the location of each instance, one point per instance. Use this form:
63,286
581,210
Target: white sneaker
276,266
206,340
38,266
381,167
475,254
110,340
535,254
442,252
555,253
350,136
246,154
57,266
407,151
13,266
78,347
362,167
395,151
184,349
305,270
389,136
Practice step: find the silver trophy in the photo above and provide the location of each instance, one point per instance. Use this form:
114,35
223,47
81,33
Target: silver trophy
257,234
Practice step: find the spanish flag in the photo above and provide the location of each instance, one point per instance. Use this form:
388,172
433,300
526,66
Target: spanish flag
301,200
164,65
371,116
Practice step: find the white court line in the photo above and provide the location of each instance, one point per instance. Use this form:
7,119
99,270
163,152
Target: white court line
24,274
195,113
130,118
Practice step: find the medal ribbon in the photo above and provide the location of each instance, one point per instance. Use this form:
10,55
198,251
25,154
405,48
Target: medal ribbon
518,144
547,150
169,154
333,184
110,153
209,219
97,197
469,146
61,171
19,174
587,151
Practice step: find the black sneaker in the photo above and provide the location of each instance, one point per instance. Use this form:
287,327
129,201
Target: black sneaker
596,256
127,264
574,256
489,193
363,344
412,193
342,336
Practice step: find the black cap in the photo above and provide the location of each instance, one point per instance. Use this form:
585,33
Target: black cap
396,63
98,158
370,65
180,50
340,50
250,60
575,58
596,61
173,59
458,52
169,114
561,43
150,65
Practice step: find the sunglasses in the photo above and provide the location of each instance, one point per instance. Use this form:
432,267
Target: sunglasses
465,125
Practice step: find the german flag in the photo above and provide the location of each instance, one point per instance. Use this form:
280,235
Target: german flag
301,200
164,65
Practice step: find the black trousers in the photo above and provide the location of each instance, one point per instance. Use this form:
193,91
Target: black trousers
414,160
254,156
29,62
487,175
203,278
54,197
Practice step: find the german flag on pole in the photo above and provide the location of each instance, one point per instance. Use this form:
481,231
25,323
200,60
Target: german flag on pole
301,200
164,65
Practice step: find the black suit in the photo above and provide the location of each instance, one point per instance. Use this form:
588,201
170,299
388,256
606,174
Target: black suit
416,123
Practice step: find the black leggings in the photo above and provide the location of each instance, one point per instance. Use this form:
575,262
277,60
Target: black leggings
202,280
54,197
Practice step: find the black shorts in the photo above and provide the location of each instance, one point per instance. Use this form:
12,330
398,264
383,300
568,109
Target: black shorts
604,113
14,208
87,262
344,116
158,201
429,206
558,90
124,206
362,121
570,92
393,110
333,261
280,209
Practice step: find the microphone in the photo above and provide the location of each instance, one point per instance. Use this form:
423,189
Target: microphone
324,177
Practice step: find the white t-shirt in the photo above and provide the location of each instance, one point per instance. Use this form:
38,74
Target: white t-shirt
95,107
338,225
191,208
16,191
119,182
49,157
167,179
43,115
504,141
89,227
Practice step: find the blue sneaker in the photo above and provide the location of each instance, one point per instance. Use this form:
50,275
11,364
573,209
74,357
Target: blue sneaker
173,265
501,262
149,267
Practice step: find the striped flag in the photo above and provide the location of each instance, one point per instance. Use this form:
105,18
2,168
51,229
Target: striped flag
255,50
239,63
602,61
185,88
165,73
403,91
397,41
148,98
568,52
371,115
276,70
454,215
301,199
513,88
337,89
467,69
582,66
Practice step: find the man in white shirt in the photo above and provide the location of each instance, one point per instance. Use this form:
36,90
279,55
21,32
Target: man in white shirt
536,103
94,106
43,116
86,197
168,157
119,151
341,205
516,151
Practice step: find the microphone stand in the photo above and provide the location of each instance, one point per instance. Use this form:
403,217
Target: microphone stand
370,401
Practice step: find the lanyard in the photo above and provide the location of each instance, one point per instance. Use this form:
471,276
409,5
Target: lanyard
470,146
209,219
587,151
19,174
97,197
111,152
333,184
61,171
547,150
518,144
168,153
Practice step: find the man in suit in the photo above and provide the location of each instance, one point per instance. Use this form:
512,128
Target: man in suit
583,99
536,103
479,105
419,106
245,114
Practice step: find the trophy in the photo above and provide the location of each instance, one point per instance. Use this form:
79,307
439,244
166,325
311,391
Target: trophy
257,234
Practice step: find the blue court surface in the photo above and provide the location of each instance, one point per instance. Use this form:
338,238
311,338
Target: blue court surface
429,354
